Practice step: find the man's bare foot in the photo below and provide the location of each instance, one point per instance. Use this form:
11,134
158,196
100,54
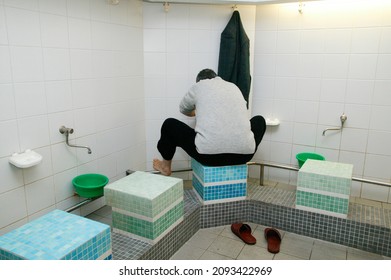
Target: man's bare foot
163,166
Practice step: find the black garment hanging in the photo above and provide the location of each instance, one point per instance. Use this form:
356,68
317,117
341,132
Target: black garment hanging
234,57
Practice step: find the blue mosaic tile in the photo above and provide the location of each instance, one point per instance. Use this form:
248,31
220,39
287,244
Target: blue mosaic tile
55,236
219,183
212,174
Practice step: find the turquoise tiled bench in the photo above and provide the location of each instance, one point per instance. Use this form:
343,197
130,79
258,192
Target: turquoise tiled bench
58,235
324,187
215,184
145,206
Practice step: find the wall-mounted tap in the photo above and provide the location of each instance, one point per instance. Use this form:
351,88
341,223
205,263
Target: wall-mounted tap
343,118
67,131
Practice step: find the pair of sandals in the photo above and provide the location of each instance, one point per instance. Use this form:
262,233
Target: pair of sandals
272,236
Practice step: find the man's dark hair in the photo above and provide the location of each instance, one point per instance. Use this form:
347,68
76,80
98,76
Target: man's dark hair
206,74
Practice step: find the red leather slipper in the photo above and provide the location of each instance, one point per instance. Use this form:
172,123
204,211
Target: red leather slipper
243,231
273,238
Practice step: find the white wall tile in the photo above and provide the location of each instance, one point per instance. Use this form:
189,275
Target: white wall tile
337,41
24,27
78,8
63,184
357,159
266,65
154,64
310,65
41,170
7,102
56,64
58,96
359,91
154,40
354,140
362,66
82,93
5,65
85,121
39,195
27,64
365,40
11,175
312,41
381,92
378,143
177,41
153,16
100,11
81,64
385,40
304,134
24,4
54,30
374,192
358,115
30,99
12,206
288,42
101,35
58,7
3,30
176,63
380,119
333,90
10,139
63,157
336,66
377,166
383,70
308,89
306,112
287,65
79,33
33,132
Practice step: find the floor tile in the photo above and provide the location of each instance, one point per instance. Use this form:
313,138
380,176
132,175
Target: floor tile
202,239
252,252
188,252
213,256
226,246
323,251
296,245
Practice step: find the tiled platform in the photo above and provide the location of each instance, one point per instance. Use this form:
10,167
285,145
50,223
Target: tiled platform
219,184
324,187
145,206
272,205
58,236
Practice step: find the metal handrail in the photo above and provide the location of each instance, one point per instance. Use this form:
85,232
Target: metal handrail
292,168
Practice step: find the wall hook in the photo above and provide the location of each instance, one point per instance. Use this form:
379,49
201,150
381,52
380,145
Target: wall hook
166,6
301,6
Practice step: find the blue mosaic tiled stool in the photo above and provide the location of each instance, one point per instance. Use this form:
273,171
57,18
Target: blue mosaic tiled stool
58,235
324,187
145,206
214,184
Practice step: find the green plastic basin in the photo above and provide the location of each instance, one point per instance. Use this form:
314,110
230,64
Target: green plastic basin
90,185
302,157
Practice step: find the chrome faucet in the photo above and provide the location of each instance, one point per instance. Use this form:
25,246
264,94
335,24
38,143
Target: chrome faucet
67,131
343,118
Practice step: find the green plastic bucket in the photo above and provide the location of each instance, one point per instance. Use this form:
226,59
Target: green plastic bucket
302,157
90,185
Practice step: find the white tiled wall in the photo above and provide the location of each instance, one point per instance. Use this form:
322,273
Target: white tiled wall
100,68
76,63
309,69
